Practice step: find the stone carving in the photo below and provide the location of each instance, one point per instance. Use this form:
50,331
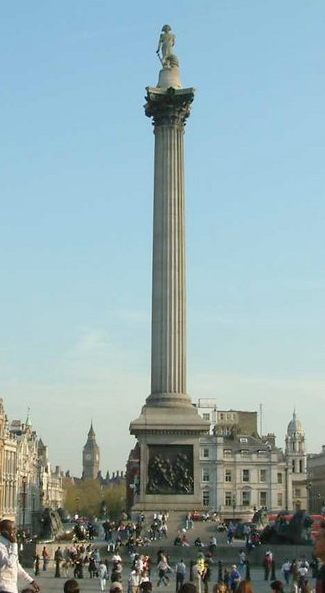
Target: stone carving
286,529
260,518
172,107
51,525
165,46
170,470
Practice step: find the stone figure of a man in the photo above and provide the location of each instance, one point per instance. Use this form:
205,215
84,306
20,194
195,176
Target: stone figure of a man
166,44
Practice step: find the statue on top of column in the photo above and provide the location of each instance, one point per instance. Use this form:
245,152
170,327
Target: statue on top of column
165,45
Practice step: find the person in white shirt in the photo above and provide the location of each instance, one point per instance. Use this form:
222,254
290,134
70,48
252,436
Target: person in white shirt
10,567
103,575
286,571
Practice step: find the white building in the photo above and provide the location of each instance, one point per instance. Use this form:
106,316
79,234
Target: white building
37,486
242,472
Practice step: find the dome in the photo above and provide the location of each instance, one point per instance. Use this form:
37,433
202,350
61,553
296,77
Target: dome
295,426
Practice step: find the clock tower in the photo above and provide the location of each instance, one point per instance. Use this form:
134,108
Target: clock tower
90,456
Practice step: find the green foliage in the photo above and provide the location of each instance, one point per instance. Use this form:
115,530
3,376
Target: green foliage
86,498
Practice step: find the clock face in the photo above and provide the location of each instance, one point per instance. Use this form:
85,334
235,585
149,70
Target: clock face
88,456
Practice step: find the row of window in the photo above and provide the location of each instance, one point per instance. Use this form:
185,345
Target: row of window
228,452
231,500
246,475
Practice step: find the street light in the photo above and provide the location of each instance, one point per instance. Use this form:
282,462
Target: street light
77,507
234,505
24,482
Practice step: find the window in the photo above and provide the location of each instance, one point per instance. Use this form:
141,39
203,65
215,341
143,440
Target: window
228,475
205,475
280,478
263,475
300,466
293,466
245,475
297,492
206,453
246,498
263,499
206,416
222,416
262,453
244,453
280,499
228,499
206,498
227,452
243,440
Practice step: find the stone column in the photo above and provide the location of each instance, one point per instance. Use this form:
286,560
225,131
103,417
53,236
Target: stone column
169,109
169,426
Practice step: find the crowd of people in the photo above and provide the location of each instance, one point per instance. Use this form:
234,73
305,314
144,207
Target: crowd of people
76,561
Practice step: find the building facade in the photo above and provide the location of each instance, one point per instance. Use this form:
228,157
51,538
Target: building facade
27,484
8,469
316,481
242,471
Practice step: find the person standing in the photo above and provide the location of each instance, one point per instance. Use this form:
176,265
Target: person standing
10,568
46,557
234,578
134,581
242,562
206,576
58,557
286,570
267,564
36,564
180,571
103,575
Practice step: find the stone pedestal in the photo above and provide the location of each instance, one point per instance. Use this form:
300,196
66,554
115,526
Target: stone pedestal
169,427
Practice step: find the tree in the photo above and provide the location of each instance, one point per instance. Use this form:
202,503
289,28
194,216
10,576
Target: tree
86,498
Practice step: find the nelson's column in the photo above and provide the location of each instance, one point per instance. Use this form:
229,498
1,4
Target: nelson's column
169,427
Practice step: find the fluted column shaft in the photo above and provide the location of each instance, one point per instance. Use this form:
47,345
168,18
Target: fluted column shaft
168,346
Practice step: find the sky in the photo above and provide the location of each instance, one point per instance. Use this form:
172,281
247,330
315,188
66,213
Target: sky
76,196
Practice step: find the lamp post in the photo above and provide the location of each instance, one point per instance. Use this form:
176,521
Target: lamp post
309,497
23,495
33,513
234,505
77,507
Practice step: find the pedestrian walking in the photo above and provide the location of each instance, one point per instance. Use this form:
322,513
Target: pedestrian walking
163,568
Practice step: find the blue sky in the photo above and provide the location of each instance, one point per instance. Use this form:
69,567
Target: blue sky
76,162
